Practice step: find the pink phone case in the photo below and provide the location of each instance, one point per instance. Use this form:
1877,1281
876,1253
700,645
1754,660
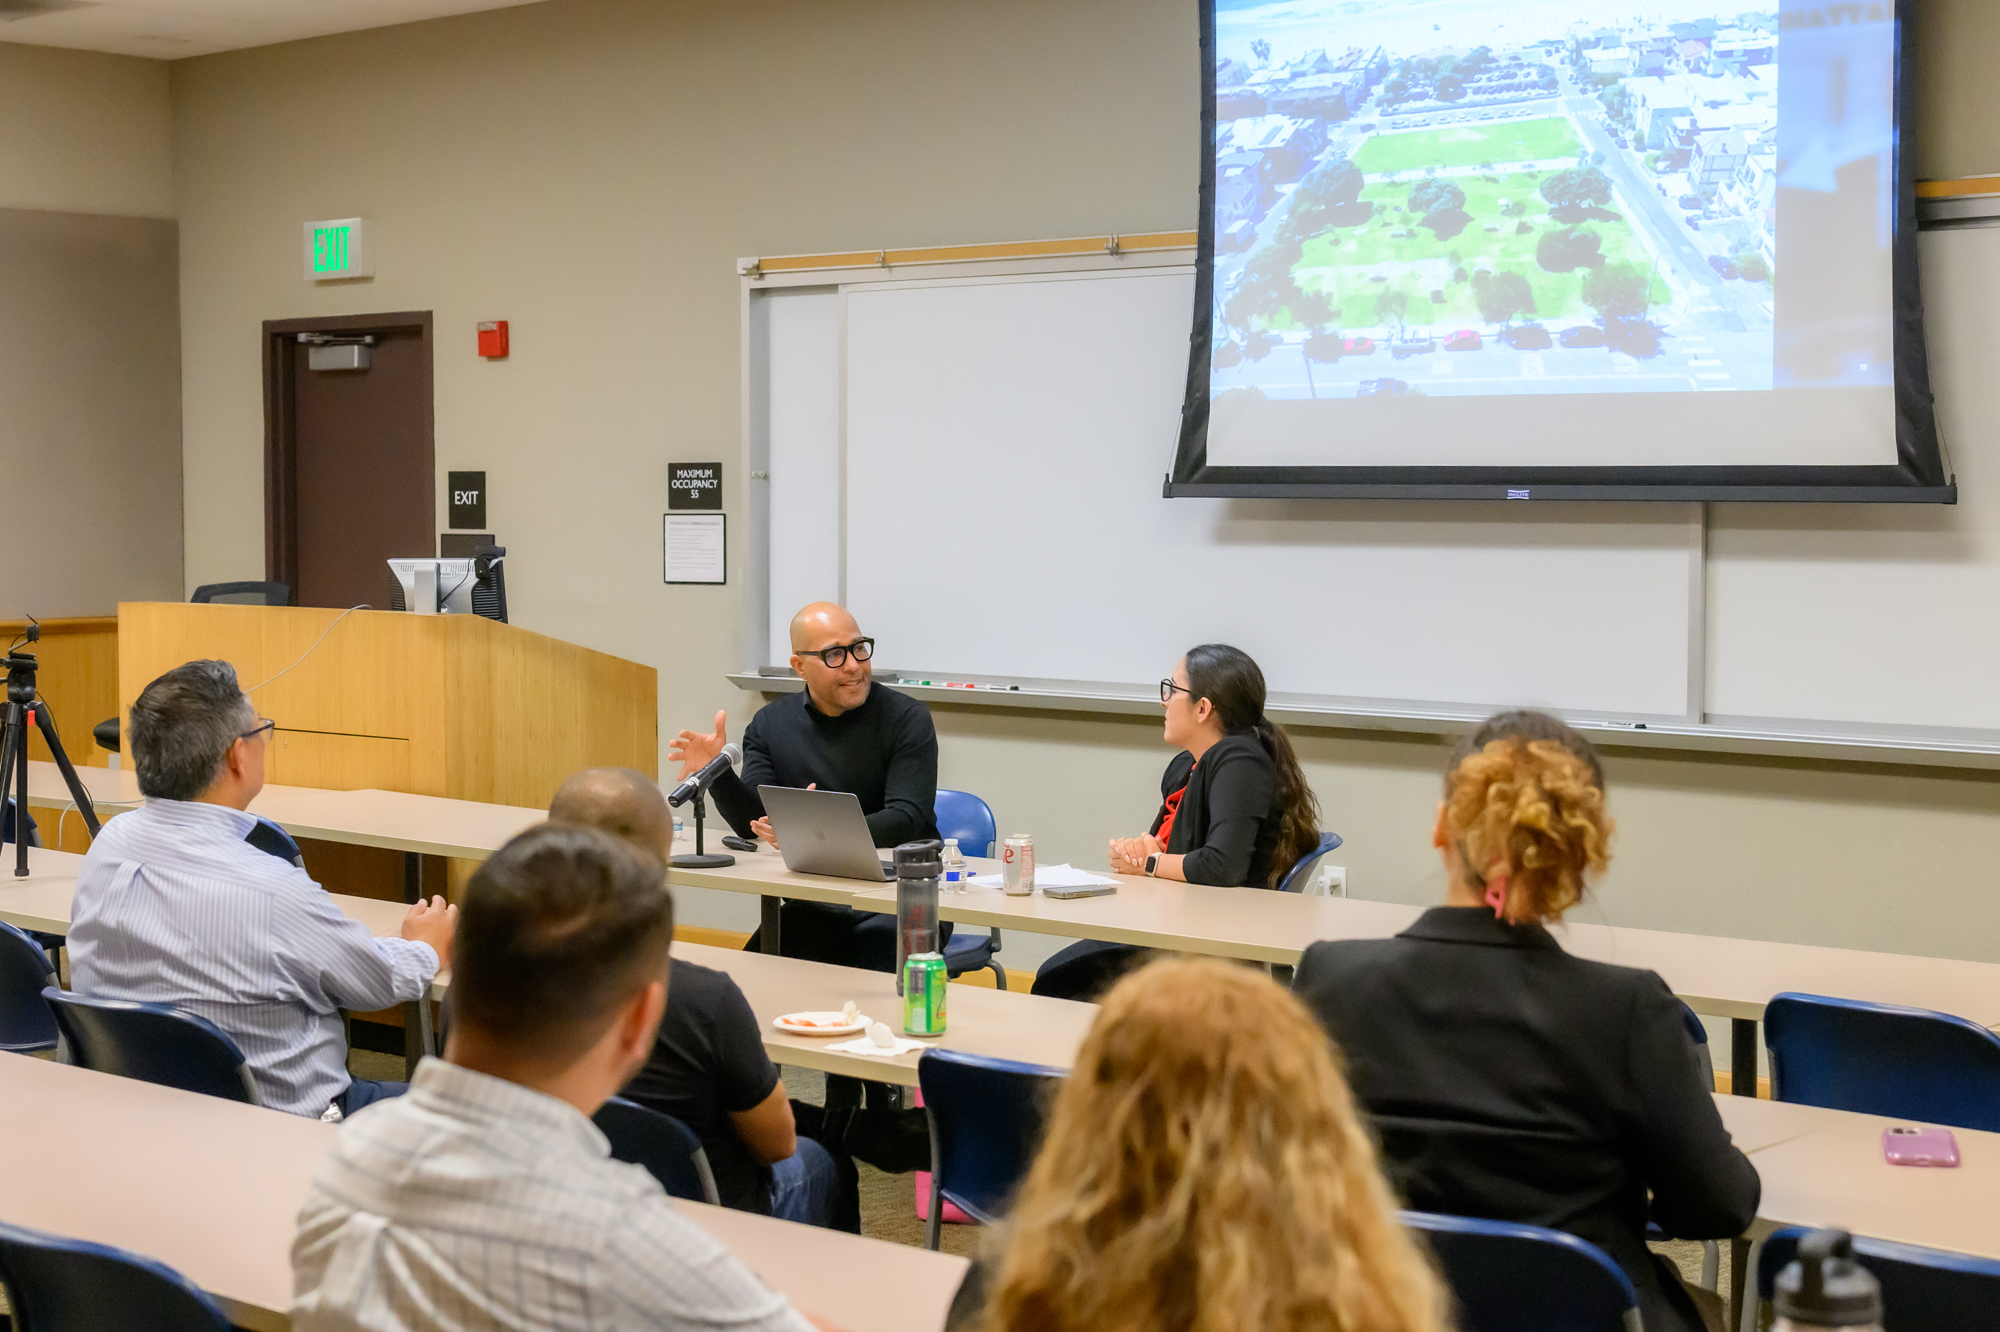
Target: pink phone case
1919,1147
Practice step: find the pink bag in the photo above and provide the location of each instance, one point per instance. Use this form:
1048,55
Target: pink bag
952,1216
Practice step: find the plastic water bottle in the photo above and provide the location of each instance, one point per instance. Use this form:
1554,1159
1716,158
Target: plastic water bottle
1825,1288
954,865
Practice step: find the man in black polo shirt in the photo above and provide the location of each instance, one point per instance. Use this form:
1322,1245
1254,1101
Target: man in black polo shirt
708,1068
842,732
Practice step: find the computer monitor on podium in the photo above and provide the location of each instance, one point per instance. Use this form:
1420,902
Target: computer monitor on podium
474,586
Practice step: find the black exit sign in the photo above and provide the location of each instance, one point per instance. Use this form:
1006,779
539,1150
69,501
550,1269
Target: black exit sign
468,499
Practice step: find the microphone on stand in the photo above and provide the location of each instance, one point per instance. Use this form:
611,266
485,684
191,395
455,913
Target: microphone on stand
699,781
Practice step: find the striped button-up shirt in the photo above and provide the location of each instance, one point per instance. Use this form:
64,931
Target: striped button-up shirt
474,1204
173,906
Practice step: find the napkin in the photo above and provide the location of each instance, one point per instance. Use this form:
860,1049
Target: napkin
866,1045
1050,876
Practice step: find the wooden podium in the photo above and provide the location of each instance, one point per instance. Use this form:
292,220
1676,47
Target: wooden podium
445,705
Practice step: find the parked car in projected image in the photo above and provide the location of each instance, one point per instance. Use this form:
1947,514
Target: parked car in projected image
1465,339
1583,335
1526,337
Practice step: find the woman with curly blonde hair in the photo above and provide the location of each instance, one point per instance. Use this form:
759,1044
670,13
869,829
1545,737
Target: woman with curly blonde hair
1204,1170
1508,1079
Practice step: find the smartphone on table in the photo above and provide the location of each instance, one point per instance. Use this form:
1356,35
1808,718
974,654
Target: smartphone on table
1907,1146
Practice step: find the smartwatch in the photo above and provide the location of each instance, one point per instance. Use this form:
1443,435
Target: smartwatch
1152,863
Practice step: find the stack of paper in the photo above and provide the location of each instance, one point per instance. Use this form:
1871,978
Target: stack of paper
1050,876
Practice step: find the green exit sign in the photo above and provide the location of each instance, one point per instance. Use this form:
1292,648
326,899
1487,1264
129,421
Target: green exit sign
338,248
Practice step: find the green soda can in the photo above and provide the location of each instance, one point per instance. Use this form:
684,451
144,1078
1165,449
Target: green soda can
924,982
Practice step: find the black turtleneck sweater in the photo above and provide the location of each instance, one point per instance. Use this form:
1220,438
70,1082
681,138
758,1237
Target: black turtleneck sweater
885,752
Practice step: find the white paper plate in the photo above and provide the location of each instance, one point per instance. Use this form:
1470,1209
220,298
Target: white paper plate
829,1024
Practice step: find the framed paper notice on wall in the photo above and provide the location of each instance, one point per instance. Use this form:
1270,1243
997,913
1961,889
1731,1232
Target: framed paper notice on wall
696,547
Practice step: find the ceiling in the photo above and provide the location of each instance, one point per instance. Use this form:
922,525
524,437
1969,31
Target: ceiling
171,29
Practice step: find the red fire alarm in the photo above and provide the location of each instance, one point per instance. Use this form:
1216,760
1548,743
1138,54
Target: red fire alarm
493,338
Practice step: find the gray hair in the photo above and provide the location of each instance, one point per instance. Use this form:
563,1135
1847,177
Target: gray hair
182,726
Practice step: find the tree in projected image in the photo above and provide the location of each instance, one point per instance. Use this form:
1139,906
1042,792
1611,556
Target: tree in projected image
1392,307
1568,249
1327,197
1569,192
1617,291
1501,296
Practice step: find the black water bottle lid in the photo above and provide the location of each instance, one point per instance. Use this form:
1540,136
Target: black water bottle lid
1825,1287
920,860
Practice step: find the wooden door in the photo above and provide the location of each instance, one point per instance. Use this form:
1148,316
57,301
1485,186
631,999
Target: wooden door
350,474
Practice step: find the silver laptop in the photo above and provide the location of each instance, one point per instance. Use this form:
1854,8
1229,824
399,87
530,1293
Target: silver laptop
823,832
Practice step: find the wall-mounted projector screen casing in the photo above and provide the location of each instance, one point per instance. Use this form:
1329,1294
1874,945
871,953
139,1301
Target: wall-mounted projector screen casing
1558,249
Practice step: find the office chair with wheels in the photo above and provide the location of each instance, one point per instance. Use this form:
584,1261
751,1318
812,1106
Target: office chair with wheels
1879,1059
1922,1289
668,1149
1508,1277
244,594
26,1024
66,1285
986,1122
965,816
1299,875
153,1043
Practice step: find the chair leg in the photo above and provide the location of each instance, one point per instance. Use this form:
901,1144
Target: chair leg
1743,1257
999,975
934,1222
1711,1264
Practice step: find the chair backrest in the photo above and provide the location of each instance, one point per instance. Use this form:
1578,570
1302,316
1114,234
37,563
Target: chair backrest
668,1149
986,1120
1922,1289
1299,874
965,816
244,594
153,1043
7,824
1507,1277
25,1020
1699,1035
273,840
66,1285
1909,1063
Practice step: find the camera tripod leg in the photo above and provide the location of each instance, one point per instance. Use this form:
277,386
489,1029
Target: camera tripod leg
14,772
47,726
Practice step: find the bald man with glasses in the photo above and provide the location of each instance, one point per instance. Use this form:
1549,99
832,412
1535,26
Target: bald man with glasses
843,732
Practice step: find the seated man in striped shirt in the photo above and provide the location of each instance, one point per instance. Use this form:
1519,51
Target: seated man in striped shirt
486,1199
174,906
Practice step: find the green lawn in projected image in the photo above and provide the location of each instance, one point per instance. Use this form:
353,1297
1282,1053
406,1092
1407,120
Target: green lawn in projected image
1469,145
1344,262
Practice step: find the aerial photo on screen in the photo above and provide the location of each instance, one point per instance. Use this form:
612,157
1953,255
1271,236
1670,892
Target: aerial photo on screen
1464,197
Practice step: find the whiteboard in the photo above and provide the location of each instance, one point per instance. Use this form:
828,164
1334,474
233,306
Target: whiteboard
1003,444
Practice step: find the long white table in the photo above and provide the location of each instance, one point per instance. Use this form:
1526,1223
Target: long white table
1718,977
212,1189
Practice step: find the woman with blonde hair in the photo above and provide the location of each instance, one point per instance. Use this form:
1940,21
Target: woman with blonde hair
1204,1170
1507,1079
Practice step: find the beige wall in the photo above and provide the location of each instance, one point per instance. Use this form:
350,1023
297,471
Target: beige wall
85,133
590,169
90,372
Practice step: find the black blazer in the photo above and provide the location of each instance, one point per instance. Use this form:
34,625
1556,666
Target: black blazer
1227,826
1511,1081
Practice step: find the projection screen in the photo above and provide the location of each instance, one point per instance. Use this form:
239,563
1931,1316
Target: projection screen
1557,249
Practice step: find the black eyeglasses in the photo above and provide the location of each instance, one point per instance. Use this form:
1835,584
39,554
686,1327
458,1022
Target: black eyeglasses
1168,689
258,730
835,657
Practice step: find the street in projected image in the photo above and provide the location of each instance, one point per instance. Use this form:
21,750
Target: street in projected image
1430,197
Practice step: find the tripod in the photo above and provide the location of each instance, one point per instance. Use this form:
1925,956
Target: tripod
21,711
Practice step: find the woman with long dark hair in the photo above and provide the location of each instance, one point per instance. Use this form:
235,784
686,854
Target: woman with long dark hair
1235,810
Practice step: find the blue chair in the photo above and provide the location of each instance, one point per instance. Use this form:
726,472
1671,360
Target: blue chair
153,1043
1878,1059
244,594
965,816
1508,1277
66,1285
986,1123
1299,875
273,840
25,1020
668,1149
1922,1289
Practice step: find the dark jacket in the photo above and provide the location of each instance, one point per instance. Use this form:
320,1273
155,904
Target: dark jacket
1511,1081
1227,826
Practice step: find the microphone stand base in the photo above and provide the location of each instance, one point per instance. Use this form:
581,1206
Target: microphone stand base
699,860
